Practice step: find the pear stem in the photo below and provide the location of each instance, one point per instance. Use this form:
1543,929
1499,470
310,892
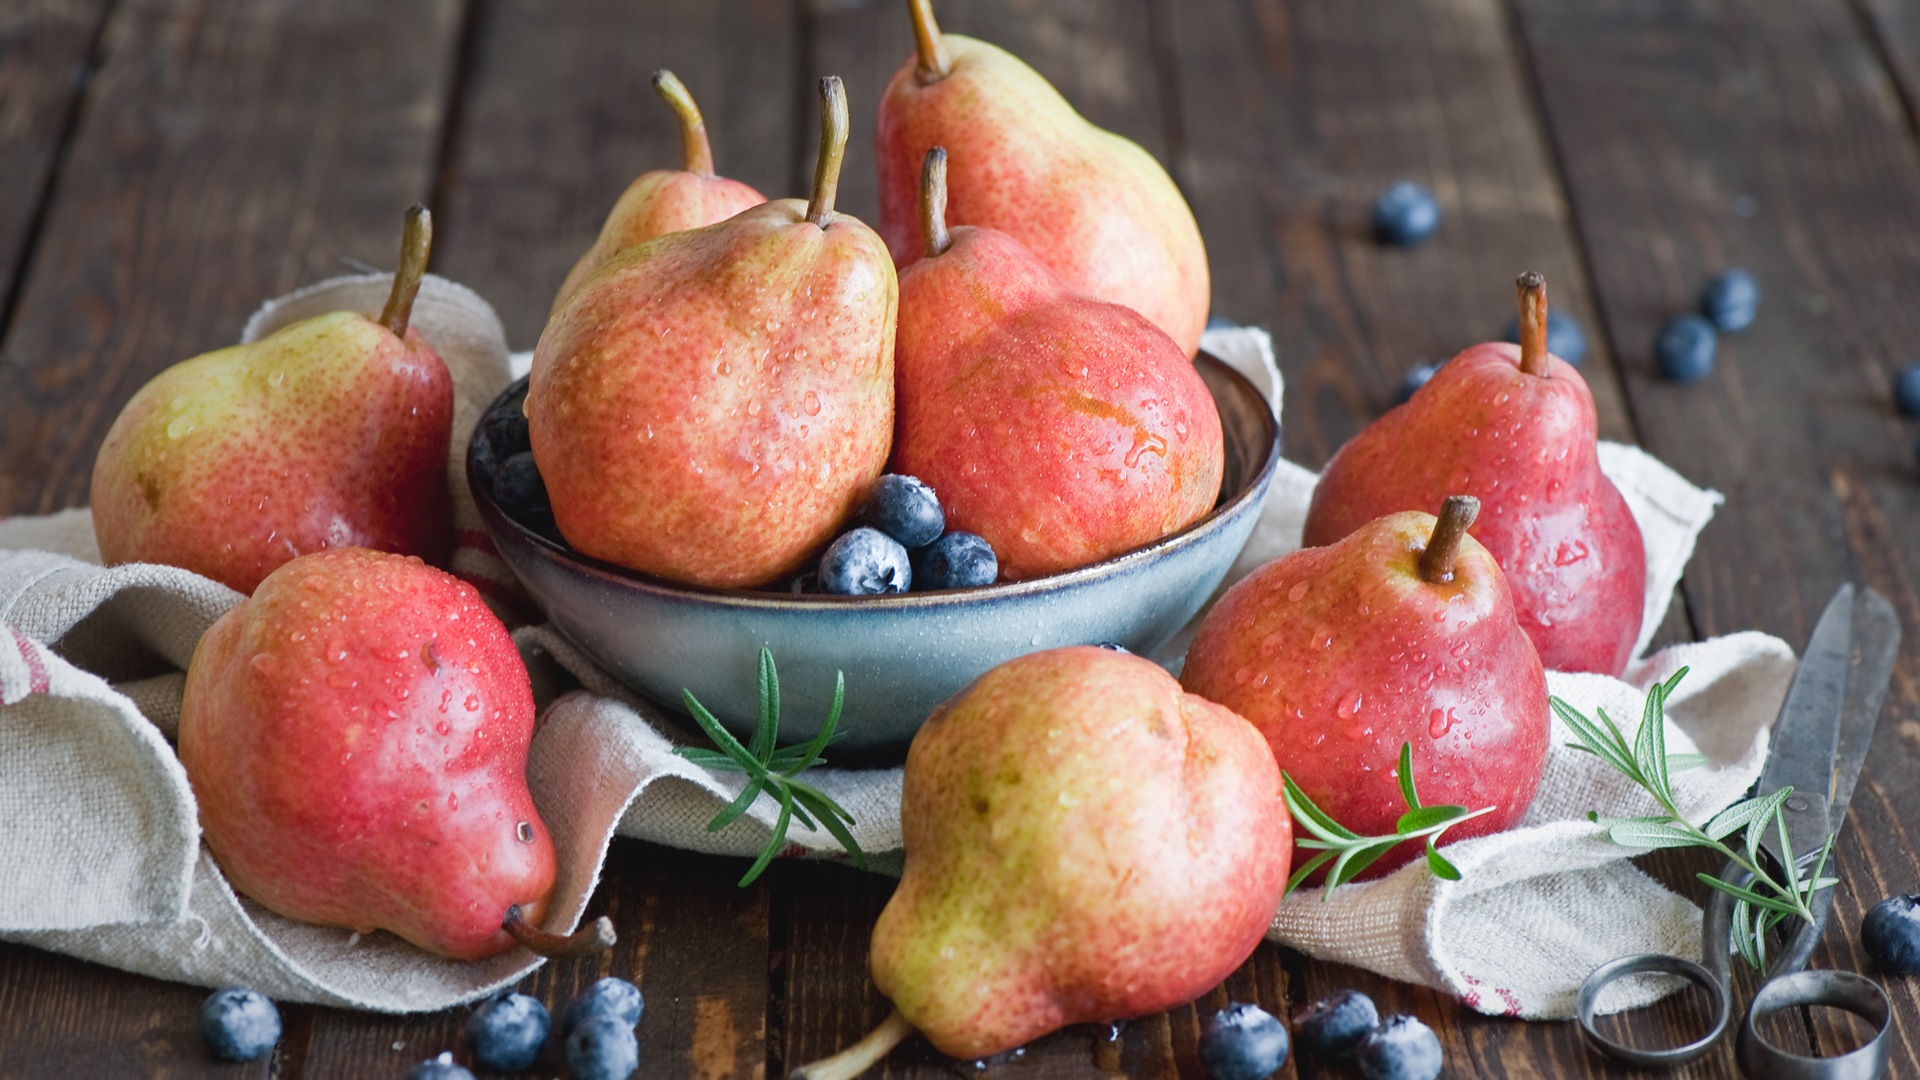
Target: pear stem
833,150
933,202
1531,293
595,937
934,63
416,241
1456,514
696,152
861,1056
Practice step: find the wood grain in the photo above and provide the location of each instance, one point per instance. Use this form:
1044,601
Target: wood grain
61,1017
226,154
45,48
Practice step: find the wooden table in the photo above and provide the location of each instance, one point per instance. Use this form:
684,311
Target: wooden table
166,166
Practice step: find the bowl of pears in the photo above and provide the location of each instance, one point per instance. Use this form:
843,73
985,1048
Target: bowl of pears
745,429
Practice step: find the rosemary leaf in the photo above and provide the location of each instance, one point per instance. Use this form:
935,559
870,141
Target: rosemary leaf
773,770
1350,853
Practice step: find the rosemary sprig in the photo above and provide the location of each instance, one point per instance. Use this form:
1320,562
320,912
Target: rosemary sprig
1767,900
1352,853
774,771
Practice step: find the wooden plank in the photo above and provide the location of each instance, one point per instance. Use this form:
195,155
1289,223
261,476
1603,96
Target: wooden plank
44,69
1894,26
694,943
560,117
61,1017
1768,135
226,154
1296,116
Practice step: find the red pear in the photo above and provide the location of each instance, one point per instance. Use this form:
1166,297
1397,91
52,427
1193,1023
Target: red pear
1340,654
331,432
713,404
356,735
1091,205
1515,427
1084,842
1062,428
666,200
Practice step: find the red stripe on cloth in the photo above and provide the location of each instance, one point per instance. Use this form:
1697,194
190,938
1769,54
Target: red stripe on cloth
38,682
475,540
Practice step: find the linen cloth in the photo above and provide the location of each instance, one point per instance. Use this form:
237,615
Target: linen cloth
108,864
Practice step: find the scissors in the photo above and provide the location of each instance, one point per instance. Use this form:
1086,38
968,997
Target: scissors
1819,744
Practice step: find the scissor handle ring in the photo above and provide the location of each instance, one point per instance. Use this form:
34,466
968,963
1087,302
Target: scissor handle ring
1651,964
1856,994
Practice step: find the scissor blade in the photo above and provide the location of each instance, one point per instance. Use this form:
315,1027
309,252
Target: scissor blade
1806,737
1876,645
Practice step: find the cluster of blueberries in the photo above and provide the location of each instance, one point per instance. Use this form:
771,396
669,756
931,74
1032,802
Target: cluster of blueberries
1684,350
1245,1042
504,1034
901,542
503,456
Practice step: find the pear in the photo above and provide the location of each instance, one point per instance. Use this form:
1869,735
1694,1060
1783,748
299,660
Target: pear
1514,426
712,405
356,735
1403,631
331,432
1084,842
666,200
1061,428
1092,205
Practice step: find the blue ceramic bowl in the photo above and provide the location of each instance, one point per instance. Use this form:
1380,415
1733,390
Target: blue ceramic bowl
902,654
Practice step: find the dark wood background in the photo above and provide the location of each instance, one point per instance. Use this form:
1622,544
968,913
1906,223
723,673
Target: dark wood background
166,166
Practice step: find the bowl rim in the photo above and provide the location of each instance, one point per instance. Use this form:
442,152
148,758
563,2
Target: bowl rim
1213,521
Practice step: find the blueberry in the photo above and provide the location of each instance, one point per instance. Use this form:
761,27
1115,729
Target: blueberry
958,560
602,1048
1891,934
1416,377
239,1024
440,1068
865,562
1242,1042
1334,1025
1565,339
517,485
1401,1048
1906,389
905,509
1730,300
1113,646
617,998
506,430
1405,215
1684,350
506,1031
